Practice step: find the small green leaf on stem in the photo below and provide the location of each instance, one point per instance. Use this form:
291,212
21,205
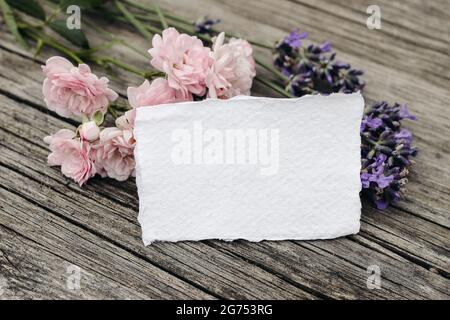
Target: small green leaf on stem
74,36
12,24
98,117
30,7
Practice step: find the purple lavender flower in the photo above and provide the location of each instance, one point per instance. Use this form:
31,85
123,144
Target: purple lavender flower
386,153
325,47
376,173
372,123
404,113
404,136
294,39
298,61
204,25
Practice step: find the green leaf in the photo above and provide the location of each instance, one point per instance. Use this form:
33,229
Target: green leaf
12,24
75,36
98,117
83,4
30,7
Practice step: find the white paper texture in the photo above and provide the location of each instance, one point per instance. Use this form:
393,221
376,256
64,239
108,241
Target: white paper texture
294,173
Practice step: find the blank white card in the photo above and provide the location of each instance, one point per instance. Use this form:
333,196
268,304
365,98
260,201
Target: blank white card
249,168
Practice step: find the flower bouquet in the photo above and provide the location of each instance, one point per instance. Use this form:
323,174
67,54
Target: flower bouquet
189,61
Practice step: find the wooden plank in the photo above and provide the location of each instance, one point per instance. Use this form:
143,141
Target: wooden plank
101,259
30,271
338,268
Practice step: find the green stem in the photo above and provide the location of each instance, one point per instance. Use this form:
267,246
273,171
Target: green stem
189,23
112,111
132,19
161,17
271,69
127,67
151,10
258,44
36,36
274,87
12,24
115,38
122,65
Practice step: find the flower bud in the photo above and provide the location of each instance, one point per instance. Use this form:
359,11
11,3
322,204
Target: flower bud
89,131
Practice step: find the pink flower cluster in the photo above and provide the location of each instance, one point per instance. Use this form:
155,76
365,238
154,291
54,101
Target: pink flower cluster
108,152
223,72
192,70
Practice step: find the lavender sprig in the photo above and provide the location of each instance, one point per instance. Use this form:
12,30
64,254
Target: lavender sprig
386,148
386,153
313,69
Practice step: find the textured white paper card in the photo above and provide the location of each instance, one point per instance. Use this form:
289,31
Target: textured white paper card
249,168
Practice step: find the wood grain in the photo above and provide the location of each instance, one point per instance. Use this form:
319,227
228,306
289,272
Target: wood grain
48,223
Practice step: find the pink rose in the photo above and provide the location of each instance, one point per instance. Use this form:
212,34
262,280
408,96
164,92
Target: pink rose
74,91
89,131
233,69
126,121
150,94
183,58
157,92
71,154
114,153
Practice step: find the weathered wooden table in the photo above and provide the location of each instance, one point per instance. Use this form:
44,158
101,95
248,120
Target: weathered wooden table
51,230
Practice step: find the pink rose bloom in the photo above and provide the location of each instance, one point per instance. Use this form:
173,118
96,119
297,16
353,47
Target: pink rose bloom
114,153
71,154
126,121
157,92
183,58
233,69
151,94
70,90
